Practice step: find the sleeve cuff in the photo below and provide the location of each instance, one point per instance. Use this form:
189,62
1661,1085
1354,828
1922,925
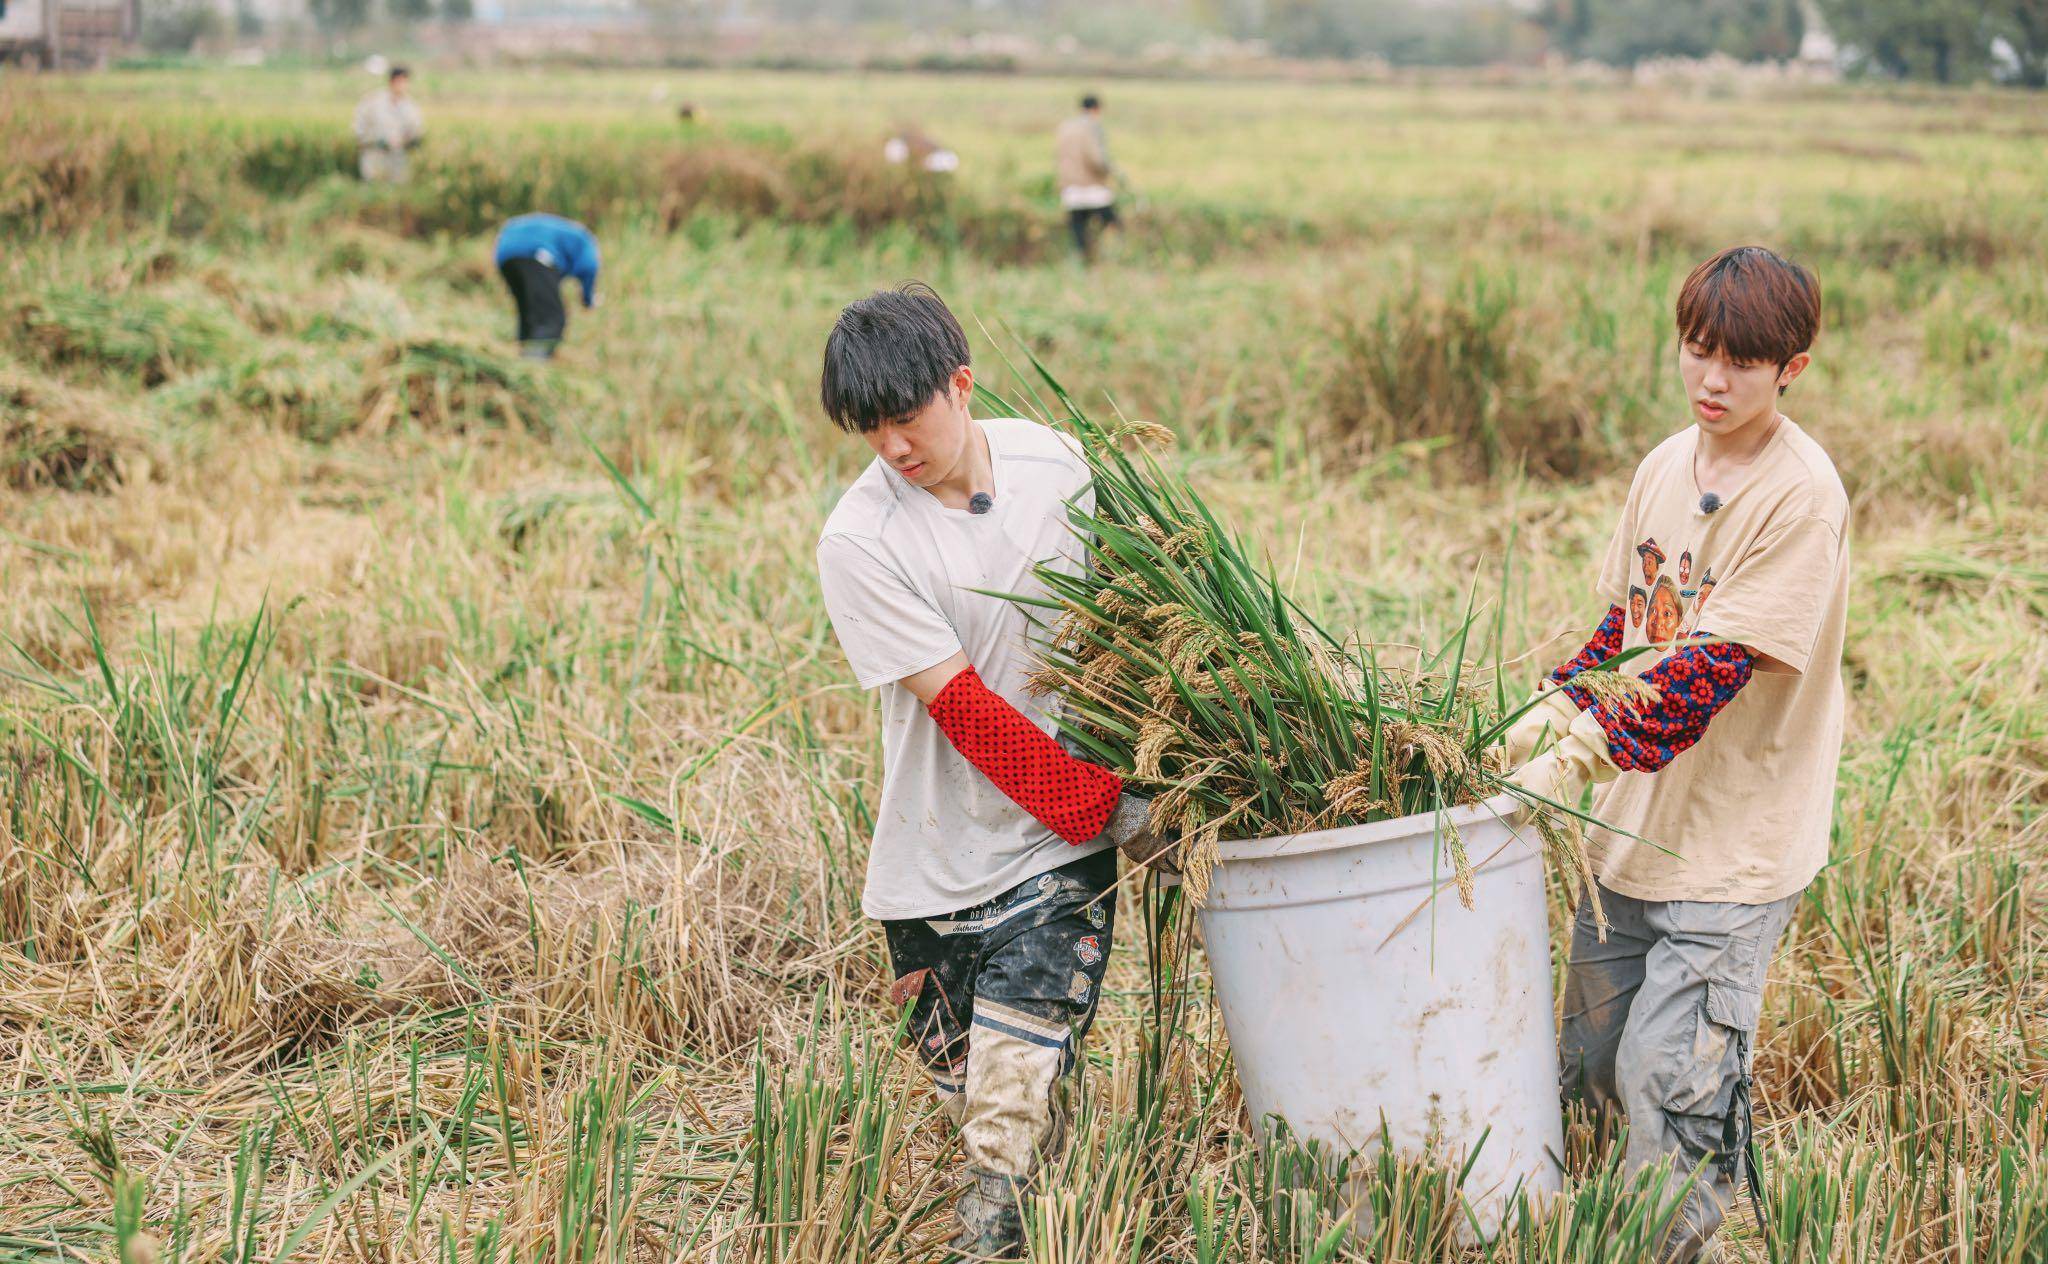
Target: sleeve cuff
1793,656
875,679
1586,742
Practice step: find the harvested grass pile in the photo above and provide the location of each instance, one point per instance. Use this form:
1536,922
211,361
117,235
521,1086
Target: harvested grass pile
51,169
1454,370
808,186
1184,666
135,335
442,384
54,437
724,177
313,395
847,185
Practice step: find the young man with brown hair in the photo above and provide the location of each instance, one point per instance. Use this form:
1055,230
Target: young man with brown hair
993,865
1733,820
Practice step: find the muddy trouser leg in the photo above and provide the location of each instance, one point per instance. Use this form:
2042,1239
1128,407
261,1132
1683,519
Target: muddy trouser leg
1035,993
1601,981
1035,996
935,978
999,997
1685,1057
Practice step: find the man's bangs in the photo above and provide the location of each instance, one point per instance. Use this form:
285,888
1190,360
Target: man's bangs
888,355
1719,331
1751,306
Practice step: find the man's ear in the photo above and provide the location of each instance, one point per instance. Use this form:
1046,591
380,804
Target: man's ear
1793,368
963,382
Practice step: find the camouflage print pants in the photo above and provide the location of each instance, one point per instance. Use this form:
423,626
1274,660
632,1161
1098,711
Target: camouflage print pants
1658,1024
1000,997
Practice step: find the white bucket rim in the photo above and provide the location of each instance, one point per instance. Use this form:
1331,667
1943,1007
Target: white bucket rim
1502,807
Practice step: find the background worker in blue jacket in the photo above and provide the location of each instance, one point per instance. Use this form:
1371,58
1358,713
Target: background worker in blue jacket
534,253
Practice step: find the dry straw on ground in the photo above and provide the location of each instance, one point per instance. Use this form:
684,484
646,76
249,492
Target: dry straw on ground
508,906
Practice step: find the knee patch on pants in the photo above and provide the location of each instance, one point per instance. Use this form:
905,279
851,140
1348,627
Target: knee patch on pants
1011,1113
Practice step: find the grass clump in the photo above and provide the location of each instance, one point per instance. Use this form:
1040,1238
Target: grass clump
289,162
1452,370
140,336
444,384
313,395
52,437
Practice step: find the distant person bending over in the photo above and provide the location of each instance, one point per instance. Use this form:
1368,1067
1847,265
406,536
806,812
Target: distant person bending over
1086,175
535,253
1737,528
388,128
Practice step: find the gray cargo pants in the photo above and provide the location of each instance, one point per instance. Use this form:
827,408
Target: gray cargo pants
1658,1024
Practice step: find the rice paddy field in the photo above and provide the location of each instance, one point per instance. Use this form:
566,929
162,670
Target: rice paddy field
433,806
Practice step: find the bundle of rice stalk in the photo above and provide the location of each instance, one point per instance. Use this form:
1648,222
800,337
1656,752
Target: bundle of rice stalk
298,390
1185,667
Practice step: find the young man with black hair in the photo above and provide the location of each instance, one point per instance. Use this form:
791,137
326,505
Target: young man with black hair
1660,1012
993,864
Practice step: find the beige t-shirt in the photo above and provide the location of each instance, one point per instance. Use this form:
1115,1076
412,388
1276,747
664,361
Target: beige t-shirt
1747,810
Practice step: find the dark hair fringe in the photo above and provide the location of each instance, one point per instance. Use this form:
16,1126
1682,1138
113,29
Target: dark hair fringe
888,355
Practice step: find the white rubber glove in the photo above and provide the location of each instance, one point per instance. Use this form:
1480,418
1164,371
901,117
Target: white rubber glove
1541,724
1579,759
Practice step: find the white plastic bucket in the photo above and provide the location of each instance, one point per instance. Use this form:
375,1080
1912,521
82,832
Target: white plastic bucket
1354,985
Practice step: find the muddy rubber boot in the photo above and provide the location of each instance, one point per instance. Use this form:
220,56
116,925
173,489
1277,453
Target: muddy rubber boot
991,1228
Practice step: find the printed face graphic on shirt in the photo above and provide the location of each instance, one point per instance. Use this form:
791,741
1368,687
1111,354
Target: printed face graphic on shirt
1685,567
1653,557
1637,600
1699,605
1660,625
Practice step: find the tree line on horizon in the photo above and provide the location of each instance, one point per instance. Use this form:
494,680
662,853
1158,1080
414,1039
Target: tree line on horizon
1940,41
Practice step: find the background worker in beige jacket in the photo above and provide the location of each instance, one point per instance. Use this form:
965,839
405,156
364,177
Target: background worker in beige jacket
1085,174
388,127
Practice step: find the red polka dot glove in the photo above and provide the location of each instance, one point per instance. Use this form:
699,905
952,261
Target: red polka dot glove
1069,797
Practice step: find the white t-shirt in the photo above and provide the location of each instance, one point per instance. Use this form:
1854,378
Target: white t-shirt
899,572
